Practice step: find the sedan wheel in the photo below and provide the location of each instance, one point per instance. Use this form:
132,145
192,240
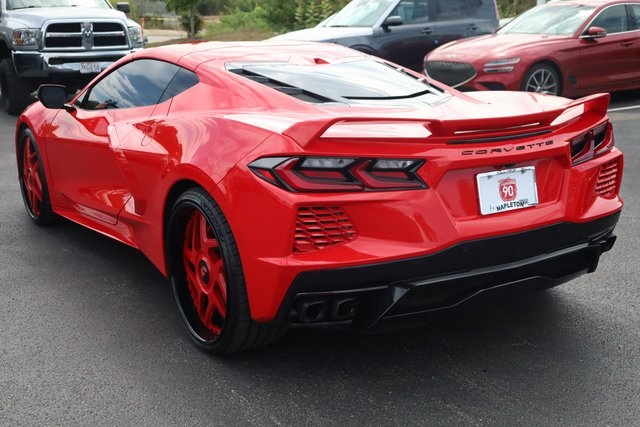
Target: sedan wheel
542,79
207,278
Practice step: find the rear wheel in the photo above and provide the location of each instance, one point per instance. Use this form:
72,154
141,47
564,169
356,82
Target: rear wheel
542,78
33,181
15,91
207,278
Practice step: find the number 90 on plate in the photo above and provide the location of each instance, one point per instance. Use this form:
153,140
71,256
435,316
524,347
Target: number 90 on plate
507,189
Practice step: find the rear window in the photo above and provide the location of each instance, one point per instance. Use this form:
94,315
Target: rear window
352,80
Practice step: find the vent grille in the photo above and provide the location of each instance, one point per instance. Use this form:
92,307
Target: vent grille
296,92
607,184
85,35
321,226
450,73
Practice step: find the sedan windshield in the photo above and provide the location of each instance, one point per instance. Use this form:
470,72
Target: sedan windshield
359,13
551,19
27,4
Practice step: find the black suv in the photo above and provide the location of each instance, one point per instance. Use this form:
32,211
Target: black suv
402,31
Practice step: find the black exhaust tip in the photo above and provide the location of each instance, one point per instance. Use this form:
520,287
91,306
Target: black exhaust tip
313,311
344,309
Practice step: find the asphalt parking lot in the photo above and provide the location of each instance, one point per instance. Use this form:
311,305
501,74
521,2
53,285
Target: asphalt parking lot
89,336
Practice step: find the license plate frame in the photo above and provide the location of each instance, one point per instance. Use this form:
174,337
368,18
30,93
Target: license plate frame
506,190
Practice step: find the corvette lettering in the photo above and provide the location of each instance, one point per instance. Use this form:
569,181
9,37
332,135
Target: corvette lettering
507,149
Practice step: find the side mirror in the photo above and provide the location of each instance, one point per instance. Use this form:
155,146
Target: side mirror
594,33
392,21
123,6
52,96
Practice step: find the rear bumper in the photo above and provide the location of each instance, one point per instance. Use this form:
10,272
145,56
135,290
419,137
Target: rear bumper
412,291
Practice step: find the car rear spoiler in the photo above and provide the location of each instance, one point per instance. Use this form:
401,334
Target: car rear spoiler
305,132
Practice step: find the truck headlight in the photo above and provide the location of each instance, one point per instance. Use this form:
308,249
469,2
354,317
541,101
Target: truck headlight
135,35
26,38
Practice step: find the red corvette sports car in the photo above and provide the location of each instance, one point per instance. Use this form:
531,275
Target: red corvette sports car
280,184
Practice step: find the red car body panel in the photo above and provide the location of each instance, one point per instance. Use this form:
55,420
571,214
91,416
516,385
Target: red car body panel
115,171
586,66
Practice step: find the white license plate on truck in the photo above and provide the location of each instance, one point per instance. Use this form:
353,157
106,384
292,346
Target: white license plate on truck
90,67
506,190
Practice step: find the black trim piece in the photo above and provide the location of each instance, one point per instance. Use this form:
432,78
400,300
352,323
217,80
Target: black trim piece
500,138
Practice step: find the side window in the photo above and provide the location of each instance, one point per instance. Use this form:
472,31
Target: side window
412,11
613,19
135,84
474,7
635,20
183,80
451,9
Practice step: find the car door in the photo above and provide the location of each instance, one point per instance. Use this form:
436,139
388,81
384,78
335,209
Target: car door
453,21
633,10
83,144
457,19
407,44
610,60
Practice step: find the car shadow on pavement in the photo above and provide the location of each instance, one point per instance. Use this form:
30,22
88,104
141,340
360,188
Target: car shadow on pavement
504,327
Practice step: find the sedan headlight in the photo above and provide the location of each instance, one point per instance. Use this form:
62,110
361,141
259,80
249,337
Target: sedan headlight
500,65
135,35
26,38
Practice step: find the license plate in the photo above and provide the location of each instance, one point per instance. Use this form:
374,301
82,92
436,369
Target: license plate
90,67
507,190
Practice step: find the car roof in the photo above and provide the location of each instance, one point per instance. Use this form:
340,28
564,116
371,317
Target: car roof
192,55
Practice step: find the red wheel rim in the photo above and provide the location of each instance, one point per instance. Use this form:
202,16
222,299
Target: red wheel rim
206,279
31,177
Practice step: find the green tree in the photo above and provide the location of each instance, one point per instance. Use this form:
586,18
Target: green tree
188,9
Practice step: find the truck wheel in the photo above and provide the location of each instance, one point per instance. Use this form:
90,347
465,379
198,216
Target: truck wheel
15,91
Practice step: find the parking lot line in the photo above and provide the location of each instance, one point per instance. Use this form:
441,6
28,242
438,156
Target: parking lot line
631,107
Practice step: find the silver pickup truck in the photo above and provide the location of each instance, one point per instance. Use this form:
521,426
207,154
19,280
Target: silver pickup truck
59,41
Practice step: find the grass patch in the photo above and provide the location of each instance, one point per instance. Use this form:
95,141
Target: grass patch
244,35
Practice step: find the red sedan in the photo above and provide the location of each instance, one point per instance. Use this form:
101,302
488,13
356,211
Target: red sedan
279,184
568,48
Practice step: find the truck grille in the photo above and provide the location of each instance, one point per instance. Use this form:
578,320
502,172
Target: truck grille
85,35
450,73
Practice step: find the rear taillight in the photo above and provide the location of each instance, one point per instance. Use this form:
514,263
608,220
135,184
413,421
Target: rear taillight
608,182
591,144
309,174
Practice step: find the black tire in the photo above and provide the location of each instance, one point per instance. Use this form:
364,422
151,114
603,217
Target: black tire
206,274
15,91
542,78
33,181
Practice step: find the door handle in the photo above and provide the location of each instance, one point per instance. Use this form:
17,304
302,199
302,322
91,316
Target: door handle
472,27
427,31
629,43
